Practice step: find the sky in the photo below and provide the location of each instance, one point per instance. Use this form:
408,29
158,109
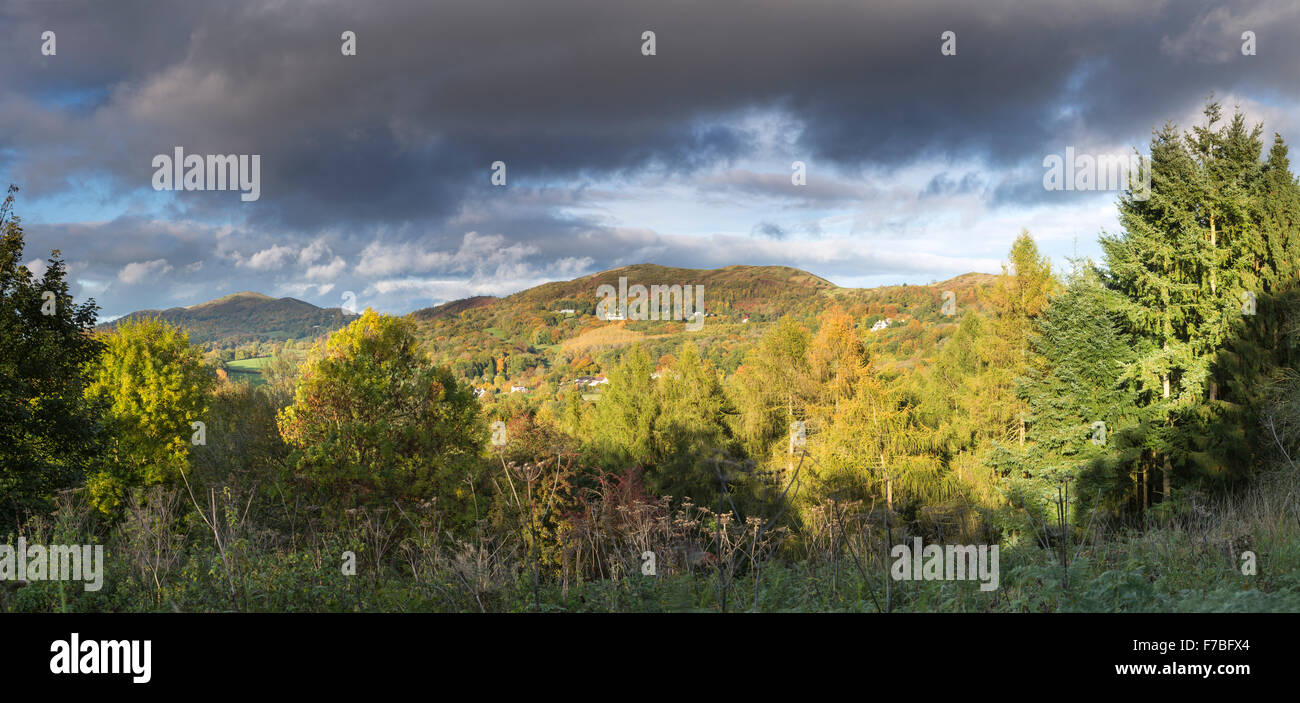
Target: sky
923,153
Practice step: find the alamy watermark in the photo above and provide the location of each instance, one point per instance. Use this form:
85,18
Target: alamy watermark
77,656
637,302
1093,172
953,562
55,562
242,172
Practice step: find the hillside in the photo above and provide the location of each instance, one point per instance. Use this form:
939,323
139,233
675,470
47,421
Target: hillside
454,307
246,317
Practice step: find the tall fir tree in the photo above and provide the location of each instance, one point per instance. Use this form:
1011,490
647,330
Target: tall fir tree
1213,239
1074,398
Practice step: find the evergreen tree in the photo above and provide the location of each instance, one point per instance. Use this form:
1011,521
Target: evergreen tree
626,412
1020,294
772,387
48,435
1214,239
1072,390
1154,266
691,427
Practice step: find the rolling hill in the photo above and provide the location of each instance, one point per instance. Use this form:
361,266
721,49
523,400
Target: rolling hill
552,330
246,317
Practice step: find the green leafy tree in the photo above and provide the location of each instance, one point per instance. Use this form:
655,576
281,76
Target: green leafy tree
1215,236
1263,345
374,421
154,385
772,388
1074,396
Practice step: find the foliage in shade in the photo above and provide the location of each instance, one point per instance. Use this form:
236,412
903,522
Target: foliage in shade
48,436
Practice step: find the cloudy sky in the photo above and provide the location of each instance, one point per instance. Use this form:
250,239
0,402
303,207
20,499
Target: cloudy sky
376,168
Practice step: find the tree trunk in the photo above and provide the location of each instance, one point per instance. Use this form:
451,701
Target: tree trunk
1168,473
889,488
1146,487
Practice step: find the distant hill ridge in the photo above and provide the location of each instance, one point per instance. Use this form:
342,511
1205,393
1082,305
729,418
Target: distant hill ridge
552,330
754,289
240,318
732,293
758,281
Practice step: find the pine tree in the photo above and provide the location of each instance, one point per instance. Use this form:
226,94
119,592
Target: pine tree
1072,390
1152,265
48,434
691,427
773,386
1215,236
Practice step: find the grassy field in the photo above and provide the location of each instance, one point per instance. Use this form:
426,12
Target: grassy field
252,365
248,370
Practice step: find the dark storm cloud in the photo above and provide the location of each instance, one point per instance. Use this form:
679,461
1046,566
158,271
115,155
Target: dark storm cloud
945,184
770,230
439,91
393,146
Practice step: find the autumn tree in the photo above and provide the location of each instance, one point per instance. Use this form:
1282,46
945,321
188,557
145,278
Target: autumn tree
1018,296
154,387
773,386
374,421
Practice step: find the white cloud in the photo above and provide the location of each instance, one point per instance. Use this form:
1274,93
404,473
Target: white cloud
477,253
38,267
313,252
268,259
139,271
333,269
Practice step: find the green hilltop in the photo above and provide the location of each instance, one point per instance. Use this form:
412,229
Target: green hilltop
247,317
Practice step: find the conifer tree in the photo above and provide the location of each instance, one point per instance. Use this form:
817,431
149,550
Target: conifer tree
691,426
1072,390
1215,237
48,434
626,412
1020,294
